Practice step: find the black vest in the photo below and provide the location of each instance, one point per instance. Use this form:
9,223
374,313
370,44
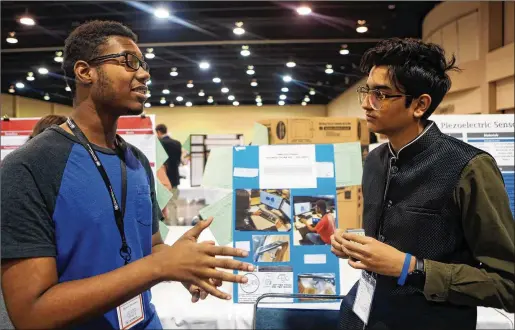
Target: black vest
408,204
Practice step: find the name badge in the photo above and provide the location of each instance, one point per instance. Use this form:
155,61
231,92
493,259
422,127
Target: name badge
130,313
363,302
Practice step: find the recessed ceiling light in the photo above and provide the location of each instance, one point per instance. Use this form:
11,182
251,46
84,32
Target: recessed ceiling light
67,88
190,84
27,20
11,38
161,13
174,72
391,7
291,64
11,89
287,78
306,98
20,85
166,91
250,70
284,89
46,97
238,30
281,102
162,101
344,50
43,70
171,105
230,97
189,104
259,104
204,65
210,99
225,90
245,51
282,97
147,94
179,98
148,82
304,10
217,80
361,28
30,76
236,103
258,99
201,93
147,105
312,91
304,104
150,53
329,69
58,57
253,83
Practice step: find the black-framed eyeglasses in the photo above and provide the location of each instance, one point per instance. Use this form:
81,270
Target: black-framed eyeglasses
376,96
131,60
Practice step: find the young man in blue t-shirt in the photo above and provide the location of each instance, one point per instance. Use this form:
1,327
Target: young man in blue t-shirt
80,240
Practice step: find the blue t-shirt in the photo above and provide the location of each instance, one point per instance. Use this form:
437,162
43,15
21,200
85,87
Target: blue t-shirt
55,204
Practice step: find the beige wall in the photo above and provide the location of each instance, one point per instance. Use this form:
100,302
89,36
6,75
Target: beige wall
473,32
347,104
183,121
19,106
509,22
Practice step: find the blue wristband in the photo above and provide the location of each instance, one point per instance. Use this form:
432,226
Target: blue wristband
405,268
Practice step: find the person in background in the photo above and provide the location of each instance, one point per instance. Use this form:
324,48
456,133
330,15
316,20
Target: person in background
173,149
80,241
45,122
438,225
320,233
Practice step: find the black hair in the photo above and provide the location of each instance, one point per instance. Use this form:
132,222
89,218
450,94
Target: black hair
322,205
45,122
161,128
86,41
414,67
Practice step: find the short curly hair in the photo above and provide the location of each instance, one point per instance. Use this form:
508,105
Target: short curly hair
86,41
414,67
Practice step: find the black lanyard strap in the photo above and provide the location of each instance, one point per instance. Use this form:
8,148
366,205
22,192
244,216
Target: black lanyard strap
119,209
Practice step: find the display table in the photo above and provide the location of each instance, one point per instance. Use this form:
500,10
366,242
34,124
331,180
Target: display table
176,311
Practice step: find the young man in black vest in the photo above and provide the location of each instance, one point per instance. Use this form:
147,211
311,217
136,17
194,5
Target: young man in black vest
439,229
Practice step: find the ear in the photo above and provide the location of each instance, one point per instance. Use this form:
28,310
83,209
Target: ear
83,73
421,105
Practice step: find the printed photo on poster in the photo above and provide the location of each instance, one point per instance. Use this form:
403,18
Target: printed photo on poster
316,283
263,210
271,248
266,279
314,219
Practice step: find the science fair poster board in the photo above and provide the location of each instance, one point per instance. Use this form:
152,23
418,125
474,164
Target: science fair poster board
275,190
137,130
491,133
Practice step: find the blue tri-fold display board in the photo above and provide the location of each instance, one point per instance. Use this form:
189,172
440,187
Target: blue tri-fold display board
286,229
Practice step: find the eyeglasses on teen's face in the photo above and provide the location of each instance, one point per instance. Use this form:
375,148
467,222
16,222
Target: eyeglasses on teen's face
131,60
376,97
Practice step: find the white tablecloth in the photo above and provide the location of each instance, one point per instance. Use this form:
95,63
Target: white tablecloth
176,311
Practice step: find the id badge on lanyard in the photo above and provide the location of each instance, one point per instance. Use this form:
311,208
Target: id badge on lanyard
364,296
130,313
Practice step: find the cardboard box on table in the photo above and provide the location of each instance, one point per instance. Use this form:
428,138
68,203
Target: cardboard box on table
327,130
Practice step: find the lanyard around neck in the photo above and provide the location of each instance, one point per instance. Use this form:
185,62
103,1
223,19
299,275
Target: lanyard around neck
118,209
